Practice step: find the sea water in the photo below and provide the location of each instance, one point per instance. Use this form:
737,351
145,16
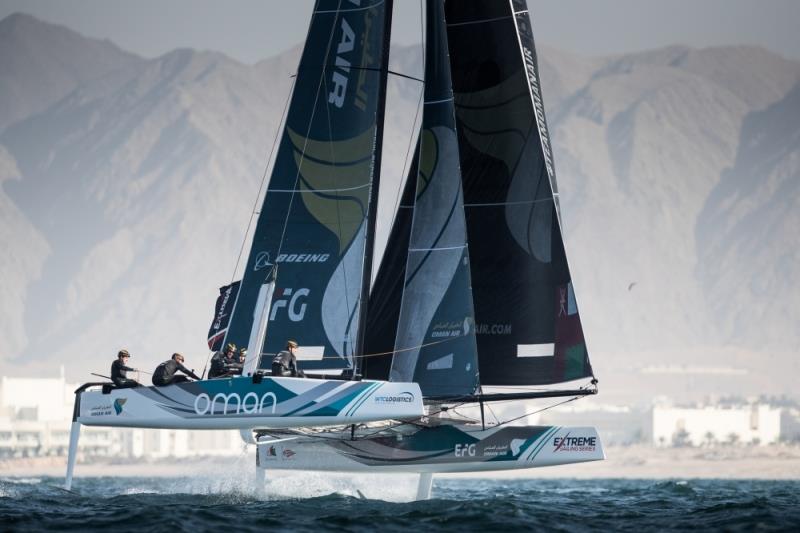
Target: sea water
382,503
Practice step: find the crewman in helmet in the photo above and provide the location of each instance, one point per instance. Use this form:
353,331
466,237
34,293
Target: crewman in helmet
225,363
165,372
120,369
285,363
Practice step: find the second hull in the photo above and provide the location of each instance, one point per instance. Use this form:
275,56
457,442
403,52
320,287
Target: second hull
436,449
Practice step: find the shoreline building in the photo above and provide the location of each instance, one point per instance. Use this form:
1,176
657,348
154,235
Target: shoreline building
35,419
753,424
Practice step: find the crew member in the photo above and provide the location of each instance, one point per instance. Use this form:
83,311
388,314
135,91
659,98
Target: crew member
120,369
165,372
225,364
285,363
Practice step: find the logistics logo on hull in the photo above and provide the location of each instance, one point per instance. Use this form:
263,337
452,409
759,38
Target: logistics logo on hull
403,397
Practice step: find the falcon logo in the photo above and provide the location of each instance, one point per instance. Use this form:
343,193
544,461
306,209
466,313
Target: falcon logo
118,403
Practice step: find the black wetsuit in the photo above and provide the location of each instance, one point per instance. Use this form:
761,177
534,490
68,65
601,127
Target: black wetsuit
165,373
119,375
223,367
285,364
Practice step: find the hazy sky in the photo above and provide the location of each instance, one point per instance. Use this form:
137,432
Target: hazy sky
249,30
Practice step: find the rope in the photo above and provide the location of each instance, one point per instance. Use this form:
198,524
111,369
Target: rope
376,354
263,180
319,433
538,411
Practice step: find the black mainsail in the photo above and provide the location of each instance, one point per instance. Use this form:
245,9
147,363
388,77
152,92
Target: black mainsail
314,222
475,272
435,343
529,330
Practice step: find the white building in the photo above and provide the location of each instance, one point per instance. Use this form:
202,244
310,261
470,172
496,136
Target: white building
705,426
36,415
618,425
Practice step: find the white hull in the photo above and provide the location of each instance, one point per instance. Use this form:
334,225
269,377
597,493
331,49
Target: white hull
239,403
243,403
437,449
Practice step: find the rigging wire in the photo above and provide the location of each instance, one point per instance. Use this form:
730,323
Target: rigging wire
337,203
308,131
539,410
270,162
403,176
254,211
320,433
494,415
378,354
281,129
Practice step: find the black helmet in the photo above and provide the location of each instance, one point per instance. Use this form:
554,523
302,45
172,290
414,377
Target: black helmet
230,347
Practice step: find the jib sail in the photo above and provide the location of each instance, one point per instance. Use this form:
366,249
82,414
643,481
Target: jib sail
313,222
435,343
387,291
527,322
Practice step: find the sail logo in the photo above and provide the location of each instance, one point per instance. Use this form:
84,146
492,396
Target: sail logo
529,58
302,258
341,73
223,306
291,302
262,261
250,404
493,329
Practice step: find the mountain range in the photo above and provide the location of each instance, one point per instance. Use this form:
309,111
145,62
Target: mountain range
127,184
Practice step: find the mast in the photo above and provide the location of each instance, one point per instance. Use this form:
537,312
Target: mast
372,213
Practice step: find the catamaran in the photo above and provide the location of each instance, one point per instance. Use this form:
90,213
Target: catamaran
472,292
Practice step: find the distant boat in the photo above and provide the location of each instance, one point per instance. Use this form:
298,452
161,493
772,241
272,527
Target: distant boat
472,291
